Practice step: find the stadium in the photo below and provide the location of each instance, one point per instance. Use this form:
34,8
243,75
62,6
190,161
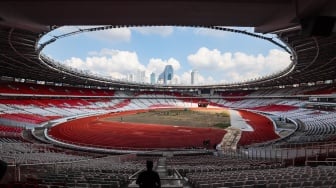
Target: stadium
60,127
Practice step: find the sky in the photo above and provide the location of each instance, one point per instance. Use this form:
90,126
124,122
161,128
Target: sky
217,56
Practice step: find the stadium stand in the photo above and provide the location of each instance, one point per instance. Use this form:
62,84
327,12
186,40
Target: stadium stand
278,177
291,112
8,88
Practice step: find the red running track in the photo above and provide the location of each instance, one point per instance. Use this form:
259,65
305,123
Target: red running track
263,129
94,131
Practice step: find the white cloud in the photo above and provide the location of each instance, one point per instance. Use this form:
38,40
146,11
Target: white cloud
113,63
185,78
206,80
236,76
155,30
212,65
210,59
157,65
238,66
118,64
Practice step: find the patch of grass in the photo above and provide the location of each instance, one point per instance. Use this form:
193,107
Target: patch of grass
222,114
222,125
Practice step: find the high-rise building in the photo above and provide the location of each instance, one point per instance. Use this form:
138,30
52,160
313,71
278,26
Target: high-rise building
152,78
130,77
166,75
140,76
194,77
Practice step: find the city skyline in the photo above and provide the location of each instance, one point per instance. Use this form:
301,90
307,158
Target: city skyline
223,57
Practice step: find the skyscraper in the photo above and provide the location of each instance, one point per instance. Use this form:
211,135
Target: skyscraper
194,77
130,77
152,78
140,76
167,74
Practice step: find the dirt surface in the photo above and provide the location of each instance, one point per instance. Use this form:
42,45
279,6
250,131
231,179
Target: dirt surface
97,131
177,117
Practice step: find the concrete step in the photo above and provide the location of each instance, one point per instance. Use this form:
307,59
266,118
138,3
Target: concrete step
166,180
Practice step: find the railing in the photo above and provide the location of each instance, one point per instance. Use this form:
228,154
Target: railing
291,155
328,163
14,171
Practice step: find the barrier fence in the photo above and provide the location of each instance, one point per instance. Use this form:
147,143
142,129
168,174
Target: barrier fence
294,154
299,154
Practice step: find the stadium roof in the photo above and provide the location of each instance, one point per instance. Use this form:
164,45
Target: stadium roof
307,26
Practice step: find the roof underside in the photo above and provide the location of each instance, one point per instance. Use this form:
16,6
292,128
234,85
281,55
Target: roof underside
22,23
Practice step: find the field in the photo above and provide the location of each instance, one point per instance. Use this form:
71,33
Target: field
178,117
145,129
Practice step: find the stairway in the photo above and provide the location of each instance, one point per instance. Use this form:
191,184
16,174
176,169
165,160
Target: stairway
162,168
231,138
167,180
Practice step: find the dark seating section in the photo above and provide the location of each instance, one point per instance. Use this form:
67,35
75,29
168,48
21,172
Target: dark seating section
201,171
109,172
210,163
10,134
235,95
322,91
37,89
321,176
271,108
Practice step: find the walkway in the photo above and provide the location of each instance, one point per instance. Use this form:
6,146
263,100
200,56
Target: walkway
168,180
238,122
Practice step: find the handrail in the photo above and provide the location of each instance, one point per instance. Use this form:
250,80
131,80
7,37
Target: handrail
309,162
179,176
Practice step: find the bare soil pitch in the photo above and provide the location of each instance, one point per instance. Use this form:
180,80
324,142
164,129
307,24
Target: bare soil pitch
109,131
177,117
